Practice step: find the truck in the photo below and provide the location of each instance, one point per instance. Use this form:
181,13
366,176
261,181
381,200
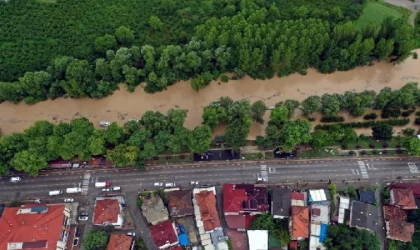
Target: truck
55,192
74,190
102,184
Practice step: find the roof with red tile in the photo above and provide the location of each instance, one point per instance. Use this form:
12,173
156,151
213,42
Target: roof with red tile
394,213
404,198
300,222
413,186
293,244
119,242
163,233
106,211
297,196
32,228
244,198
180,203
206,201
400,230
239,221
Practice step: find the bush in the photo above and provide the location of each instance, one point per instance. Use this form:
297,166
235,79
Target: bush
367,124
418,113
407,113
387,113
408,131
371,116
332,119
415,55
311,119
224,78
417,121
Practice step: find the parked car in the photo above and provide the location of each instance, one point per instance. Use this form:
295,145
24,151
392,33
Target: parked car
193,183
158,184
116,189
106,189
104,123
76,241
131,234
78,232
83,218
171,184
68,200
261,179
15,179
83,214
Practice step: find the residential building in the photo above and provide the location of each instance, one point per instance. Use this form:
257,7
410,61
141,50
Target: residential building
298,199
258,239
120,242
180,203
403,198
320,219
367,196
396,226
281,202
108,212
410,185
35,227
364,216
154,210
320,213
344,210
319,195
299,223
164,235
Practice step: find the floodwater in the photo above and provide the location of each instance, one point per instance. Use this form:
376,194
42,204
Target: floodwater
122,105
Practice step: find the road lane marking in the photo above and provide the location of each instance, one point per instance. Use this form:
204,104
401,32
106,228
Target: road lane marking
363,170
413,168
86,181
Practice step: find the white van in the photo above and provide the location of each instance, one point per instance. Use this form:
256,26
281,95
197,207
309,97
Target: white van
55,192
73,190
15,179
102,184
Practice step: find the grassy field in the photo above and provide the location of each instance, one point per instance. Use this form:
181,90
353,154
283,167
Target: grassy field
376,11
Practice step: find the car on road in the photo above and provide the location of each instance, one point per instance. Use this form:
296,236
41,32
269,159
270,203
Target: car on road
83,218
104,123
261,179
83,214
106,189
170,184
68,200
78,232
131,234
76,241
116,189
158,184
194,183
15,179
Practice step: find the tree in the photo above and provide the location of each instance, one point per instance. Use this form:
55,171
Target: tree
199,139
113,133
29,162
122,155
160,140
294,133
149,151
258,109
139,138
348,135
35,85
330,104
105,43
320,138
341,237
176,118
412,144
291,105
178,140
311,105
97,143
95,240
279,116
382,131
155,23
79,78
124,35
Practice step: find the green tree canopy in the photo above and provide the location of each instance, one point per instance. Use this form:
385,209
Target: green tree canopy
200,139
294,133
279,115
94,240
341,237
258,109
412,144
311,105
382,131
122,155
105,43
29,161
124,35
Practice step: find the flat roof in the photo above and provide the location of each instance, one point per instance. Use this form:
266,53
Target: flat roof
258,239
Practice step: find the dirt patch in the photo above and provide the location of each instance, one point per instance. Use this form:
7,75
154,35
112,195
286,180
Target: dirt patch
123,106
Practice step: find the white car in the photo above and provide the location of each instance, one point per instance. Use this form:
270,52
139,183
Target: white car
106,189
171,184
104,123
15,179
116,189
83,218
68,200
158,184
193,183
131,234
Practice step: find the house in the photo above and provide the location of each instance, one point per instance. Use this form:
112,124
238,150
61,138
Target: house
108,212
35,227
207,219
239,222
154,210
320,213
396,226
299,223
164,235
344,210
258,239
367,196
120,242
244,198
319,195
298,199
318,236
320,218
413,186
180,203
281,202
363,216
403,198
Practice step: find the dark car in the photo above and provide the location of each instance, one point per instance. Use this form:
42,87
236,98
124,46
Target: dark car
1,209
83,214
78,232
75,241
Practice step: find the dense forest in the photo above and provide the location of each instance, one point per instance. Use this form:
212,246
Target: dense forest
84,49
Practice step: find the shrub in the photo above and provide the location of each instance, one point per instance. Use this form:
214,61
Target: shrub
415,54
417,121
332,119
224,78
407,113
367,124
418,113
408,131
371,116
311,119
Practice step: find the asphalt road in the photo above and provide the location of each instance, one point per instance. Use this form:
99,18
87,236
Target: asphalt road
372,171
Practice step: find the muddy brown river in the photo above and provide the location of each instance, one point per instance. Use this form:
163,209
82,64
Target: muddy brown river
122,105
